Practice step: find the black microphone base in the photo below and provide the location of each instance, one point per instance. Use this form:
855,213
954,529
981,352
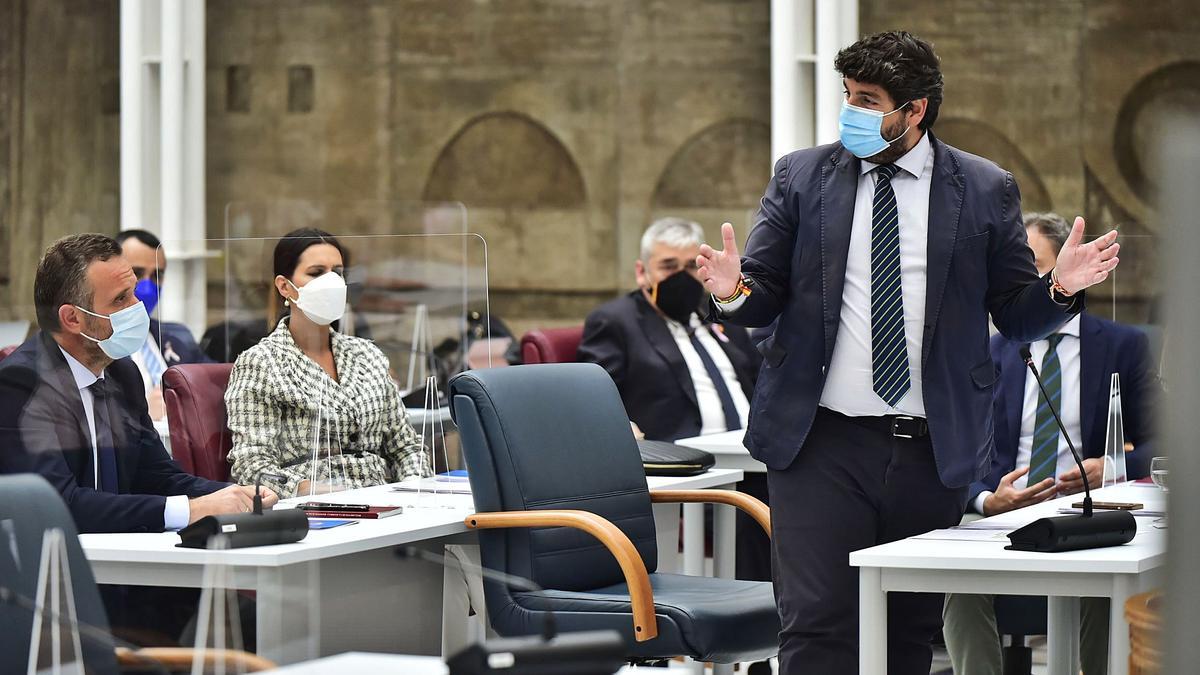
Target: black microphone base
599,652
284,526
1075,533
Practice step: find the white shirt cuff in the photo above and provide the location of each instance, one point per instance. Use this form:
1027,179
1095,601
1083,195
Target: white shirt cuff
980,499
176,513
729,307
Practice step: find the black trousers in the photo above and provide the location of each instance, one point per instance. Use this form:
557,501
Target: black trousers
852,487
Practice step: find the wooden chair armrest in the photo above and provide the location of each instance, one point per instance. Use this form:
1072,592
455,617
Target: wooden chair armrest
645,626
180,659
757,510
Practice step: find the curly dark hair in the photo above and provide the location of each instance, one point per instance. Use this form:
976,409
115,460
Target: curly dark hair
900,62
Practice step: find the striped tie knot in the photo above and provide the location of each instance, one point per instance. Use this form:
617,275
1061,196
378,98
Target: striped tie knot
1054,339
886,171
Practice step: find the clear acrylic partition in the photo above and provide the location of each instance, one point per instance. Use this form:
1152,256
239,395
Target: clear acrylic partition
421,298
1131,296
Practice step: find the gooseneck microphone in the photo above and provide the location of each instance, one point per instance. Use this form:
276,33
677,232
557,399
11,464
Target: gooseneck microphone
1071,533
595,652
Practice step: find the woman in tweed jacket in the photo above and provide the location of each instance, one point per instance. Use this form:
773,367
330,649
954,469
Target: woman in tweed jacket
306,386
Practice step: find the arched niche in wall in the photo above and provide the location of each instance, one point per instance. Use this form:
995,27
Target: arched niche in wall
1169,92
980,139
717,175
525,194
507,160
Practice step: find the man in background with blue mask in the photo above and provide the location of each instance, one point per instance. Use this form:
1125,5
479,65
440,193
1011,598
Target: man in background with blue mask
881,258
167,344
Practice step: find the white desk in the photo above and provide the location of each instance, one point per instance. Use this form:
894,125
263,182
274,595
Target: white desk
343,589
939,566
364,662
726,447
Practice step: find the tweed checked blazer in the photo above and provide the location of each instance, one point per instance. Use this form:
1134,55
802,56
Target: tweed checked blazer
284,410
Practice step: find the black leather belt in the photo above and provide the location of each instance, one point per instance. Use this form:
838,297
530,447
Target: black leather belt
898,426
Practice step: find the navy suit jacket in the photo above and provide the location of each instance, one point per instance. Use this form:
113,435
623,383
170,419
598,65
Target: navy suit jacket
43,429
1104,348
629,339
979,263
176,344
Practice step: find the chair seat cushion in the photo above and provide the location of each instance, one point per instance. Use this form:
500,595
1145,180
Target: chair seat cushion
718,620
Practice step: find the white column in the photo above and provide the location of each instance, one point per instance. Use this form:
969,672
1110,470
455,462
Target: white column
806,92
162,142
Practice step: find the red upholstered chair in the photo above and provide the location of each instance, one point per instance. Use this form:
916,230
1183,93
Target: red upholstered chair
194,395
551,345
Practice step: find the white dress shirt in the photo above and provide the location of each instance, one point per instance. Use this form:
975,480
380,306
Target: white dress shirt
712,413
1068,408
177,511
849,387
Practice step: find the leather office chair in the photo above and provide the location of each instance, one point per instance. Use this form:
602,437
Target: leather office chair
562,499
28,507
551,345
194,395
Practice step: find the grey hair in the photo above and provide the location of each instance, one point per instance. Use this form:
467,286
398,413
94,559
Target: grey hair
674,232
1052,226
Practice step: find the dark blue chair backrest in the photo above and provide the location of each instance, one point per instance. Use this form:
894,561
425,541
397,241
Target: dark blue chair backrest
28,507
553,436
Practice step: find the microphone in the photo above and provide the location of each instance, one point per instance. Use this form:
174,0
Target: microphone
598,652
1071,533
103,639
258,507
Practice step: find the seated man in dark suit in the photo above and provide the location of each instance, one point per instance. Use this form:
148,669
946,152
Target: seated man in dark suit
73,409
168,343
678,376
1033,463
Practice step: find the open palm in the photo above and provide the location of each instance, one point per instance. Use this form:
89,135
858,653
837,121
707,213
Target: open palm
1081,265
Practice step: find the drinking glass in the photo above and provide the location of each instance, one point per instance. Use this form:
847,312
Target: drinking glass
1158,472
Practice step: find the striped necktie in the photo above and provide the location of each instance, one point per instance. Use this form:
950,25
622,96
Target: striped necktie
154,362
1043,461
889,350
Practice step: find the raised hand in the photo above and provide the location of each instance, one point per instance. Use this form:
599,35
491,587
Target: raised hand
1081,265
720,271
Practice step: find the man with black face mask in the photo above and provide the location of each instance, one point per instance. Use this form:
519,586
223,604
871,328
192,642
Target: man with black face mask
679,376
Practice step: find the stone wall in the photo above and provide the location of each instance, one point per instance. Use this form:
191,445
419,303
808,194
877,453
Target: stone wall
565,126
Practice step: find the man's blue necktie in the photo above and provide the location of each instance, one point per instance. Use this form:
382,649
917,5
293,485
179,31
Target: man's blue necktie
106,451
732,419
889,349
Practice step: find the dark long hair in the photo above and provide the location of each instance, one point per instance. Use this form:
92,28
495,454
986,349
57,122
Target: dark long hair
295,243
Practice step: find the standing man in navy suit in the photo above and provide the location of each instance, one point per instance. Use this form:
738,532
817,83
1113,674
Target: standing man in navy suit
168,344
882,257
1033,463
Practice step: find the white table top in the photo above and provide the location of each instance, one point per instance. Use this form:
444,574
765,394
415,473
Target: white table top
1147,550
366,662
727,449
432,516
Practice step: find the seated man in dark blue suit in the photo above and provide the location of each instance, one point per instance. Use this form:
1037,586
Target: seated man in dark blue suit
168,343
1032,462
73,409
72,406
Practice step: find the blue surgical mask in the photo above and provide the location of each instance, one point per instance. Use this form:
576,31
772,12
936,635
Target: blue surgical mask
130,327
147,291
861,130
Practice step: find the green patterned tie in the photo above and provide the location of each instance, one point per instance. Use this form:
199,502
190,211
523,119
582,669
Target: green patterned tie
1043,462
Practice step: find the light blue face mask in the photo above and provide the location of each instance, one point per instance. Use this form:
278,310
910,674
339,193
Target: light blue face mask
862,130
130,327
